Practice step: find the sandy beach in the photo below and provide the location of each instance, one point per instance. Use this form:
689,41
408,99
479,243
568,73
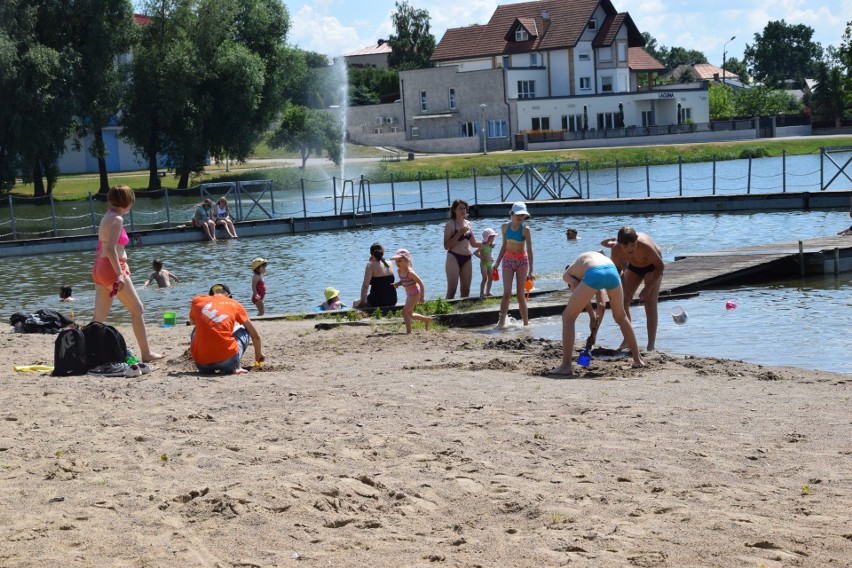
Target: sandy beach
363,446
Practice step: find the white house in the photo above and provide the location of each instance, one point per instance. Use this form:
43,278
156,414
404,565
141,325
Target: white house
550,70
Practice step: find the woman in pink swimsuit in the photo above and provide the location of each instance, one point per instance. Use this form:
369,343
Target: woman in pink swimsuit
111,273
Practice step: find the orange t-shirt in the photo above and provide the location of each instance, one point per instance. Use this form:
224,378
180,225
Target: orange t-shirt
214,318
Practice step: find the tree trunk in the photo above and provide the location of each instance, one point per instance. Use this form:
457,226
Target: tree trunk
102,170
305,155
183,181
153,177
38,181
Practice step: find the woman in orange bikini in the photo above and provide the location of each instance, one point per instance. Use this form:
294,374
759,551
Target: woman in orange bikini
517,256
111,273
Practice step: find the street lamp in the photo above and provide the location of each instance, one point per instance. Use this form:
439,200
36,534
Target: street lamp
482,108
724,53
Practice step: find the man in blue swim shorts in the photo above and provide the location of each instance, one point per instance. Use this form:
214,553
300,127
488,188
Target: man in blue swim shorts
590,273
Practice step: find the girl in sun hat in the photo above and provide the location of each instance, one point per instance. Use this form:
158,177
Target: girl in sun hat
415,290
516,254
258,286
485,253
332,300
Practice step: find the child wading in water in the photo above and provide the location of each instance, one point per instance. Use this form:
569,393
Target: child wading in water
160,275
517,256
258,286
485,254
415,290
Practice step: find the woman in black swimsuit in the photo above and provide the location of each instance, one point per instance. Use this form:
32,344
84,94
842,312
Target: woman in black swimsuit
378,277
459,242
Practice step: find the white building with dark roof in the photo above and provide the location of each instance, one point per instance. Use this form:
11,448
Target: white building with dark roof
549,71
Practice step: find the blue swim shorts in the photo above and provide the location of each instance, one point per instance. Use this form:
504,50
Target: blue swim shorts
603,277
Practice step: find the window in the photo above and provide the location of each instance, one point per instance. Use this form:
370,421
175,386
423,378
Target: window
647,118
536,60
572,122
521,35
592,25
584,55
541,123
497,129
585,83
452,99
605,54
507,62
606,84
607,120
526,89
684,115
423,107
469,129
622,52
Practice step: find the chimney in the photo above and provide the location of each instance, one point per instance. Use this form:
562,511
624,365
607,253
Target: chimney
545,16
380,43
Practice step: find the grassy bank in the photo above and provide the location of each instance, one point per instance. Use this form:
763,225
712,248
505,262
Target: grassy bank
602,158
458,166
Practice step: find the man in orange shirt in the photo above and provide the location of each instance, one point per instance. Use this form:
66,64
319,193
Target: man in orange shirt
221,334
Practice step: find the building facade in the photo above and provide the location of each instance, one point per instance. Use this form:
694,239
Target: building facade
548,69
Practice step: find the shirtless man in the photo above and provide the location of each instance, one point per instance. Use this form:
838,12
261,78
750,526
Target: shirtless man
639,259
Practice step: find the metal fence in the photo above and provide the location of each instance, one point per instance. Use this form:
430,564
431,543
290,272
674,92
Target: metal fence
29,218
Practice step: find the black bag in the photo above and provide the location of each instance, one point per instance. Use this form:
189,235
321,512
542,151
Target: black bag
104,344
69,353
44,321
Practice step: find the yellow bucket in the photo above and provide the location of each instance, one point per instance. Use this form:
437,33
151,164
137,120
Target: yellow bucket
169,318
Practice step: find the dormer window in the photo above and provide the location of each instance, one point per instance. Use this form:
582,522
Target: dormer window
592,25
521,34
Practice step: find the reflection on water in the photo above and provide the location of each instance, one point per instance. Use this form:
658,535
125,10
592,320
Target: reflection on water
302,266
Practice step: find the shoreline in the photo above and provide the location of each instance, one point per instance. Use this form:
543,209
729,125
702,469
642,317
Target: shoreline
360,445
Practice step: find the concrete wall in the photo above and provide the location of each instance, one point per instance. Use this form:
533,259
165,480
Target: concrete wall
120,155
363,122
803,130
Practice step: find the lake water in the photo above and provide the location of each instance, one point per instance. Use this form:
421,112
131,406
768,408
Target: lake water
301,266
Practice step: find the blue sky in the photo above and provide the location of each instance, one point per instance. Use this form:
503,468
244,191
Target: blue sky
337,27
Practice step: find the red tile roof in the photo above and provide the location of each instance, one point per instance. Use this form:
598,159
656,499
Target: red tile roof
640,60
567,21
141,20
382,49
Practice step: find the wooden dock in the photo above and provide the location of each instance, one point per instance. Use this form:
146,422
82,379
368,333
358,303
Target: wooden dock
761,263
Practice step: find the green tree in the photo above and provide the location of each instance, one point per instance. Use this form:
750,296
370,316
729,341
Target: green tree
371,85
308,131
99,31
721,101
736,67
783,52
652,48
682,56
830,99
412,44
762,100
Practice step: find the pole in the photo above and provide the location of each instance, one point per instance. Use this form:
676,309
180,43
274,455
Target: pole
447,177
53,213
475,197
334,192
801,259
12,219
783,171
588,186
617,187
714,174
748,187
393,195
304,201
679,176
91,212
168,212
724,54
647,178
420,184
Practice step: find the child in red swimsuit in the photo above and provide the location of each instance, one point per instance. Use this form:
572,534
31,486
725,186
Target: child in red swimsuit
258,286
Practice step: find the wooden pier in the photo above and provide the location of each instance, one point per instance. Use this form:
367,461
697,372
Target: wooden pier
761,263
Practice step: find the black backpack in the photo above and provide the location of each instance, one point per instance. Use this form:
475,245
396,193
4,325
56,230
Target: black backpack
104,344
69,353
